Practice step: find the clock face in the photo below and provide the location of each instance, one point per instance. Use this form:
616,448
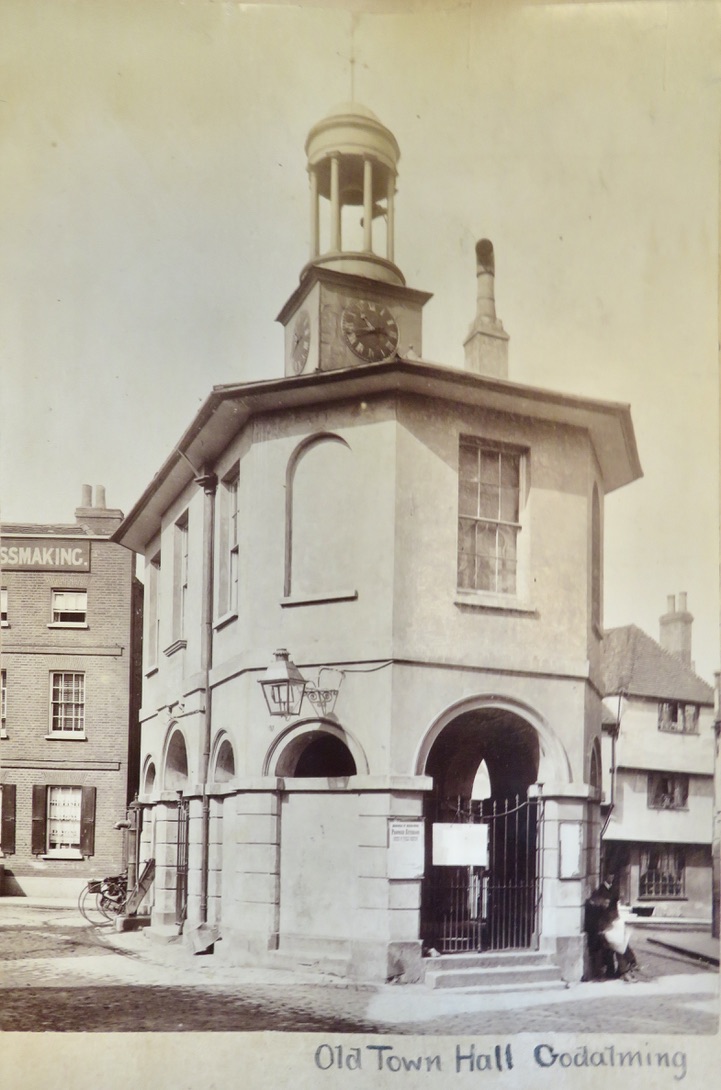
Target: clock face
370,330
300,343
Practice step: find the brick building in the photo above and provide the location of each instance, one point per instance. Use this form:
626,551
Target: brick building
71,632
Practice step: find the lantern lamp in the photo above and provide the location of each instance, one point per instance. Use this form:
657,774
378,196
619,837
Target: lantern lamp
283,686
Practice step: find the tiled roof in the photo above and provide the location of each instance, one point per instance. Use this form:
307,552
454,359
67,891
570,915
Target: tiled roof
57,529
635,664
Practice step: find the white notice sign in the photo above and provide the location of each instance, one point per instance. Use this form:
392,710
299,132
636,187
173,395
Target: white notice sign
406,849
460,845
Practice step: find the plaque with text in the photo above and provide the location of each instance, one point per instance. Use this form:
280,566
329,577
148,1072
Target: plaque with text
406,849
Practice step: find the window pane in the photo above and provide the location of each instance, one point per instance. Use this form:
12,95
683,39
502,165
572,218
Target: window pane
509,504
468,498
468,462
510,465
489,467
63,818
488,502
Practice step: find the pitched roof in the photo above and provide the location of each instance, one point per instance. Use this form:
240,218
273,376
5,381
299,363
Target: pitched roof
637,665
55,529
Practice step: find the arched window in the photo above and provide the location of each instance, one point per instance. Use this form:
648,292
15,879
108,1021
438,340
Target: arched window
596,559
176,763
319,523
224,764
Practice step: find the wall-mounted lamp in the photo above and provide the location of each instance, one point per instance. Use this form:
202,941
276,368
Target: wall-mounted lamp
284,687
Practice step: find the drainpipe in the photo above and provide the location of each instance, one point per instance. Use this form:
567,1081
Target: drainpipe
208,481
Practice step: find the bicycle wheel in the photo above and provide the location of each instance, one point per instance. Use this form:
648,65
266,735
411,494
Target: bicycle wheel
88,905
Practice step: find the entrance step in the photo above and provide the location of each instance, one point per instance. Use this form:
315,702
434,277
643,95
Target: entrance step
502,971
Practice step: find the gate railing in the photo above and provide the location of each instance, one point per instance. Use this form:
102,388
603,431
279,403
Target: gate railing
487,908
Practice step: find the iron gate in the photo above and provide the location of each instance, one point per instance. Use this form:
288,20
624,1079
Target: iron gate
181,879
485,908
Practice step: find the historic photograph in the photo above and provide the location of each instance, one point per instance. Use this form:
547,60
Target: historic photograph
372,697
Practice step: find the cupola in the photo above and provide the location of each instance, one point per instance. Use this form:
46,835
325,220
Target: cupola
353,166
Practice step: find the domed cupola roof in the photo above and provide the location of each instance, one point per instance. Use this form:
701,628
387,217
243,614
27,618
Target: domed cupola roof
352,164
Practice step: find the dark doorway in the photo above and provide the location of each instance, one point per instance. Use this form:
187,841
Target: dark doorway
494,905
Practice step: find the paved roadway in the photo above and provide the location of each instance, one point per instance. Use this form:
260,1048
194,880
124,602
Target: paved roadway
59,973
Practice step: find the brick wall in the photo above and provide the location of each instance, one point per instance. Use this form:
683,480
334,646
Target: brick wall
106,653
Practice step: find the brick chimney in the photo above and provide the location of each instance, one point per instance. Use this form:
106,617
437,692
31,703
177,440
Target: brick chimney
487,342
95,517
675,629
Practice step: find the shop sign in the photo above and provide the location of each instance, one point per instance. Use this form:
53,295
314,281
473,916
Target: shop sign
406,848
43,554
460,845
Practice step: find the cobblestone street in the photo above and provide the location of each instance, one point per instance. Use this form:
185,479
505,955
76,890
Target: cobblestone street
61,974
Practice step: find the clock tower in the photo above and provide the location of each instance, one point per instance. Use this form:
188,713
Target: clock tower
352,306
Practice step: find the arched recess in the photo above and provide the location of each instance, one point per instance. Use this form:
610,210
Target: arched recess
222,762
148,777
175,763
552,763
595,777
318,522
315,747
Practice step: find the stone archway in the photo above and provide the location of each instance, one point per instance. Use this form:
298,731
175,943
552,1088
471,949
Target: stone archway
175,765
485,894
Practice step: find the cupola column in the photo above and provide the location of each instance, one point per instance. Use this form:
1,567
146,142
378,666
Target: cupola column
314,221
390,217
335,239
368,205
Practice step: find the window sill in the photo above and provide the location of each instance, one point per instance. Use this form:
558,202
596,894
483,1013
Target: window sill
3,733
68,624
500,602
661,897
63,853
227,618
66,736
4,624
177,645
318,599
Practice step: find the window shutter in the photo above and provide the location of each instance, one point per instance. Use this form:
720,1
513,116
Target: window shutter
38,822
7,835
87,821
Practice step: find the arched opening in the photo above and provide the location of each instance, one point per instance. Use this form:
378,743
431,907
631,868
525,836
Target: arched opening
594,771
149,777
224,765
317,753
480,891
176,763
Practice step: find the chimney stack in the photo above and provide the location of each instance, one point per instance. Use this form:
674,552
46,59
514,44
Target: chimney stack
487,342
97,518
675,629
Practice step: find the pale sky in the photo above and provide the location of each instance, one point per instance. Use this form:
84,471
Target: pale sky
154,219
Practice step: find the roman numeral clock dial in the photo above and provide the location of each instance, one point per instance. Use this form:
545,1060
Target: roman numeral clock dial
370,331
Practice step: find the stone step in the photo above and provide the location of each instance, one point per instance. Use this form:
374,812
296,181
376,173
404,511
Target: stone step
492,970
474,959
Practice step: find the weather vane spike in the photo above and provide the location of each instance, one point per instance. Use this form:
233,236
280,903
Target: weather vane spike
353,21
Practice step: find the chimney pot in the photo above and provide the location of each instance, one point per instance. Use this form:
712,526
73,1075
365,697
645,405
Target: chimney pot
486,345
675,629
87,496
100,496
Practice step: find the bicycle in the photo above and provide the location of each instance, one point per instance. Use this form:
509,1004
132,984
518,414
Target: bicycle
106,896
